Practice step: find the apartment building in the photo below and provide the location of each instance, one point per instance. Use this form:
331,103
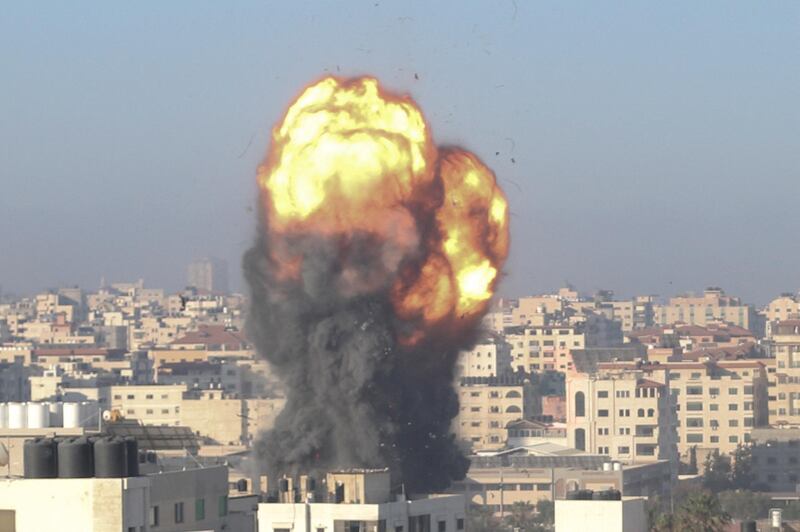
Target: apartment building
622,413
784,397
719,403
785,307
713,305
489,358
544,347
776,458
488,405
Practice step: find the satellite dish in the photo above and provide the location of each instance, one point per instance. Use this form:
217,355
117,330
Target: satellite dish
106,415
3,455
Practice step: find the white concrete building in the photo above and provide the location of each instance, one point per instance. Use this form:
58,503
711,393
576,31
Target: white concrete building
179,501
366,505
625,515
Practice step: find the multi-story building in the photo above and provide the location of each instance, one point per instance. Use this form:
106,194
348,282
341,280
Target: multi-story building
776,458
785,307
784,397
544,347
621,413
359,500
488,405
714,305
209,274
489,358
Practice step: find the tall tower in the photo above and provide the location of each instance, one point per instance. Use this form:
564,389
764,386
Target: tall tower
210,274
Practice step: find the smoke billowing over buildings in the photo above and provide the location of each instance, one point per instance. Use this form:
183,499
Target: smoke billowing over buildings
376,256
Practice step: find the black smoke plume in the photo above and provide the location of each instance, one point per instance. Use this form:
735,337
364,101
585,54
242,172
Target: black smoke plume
356,397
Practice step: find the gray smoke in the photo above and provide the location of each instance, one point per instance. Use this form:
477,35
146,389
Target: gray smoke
356,397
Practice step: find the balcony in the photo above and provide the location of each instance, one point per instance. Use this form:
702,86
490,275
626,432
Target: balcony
645,431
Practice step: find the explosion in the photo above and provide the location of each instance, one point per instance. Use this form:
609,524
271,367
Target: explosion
377,256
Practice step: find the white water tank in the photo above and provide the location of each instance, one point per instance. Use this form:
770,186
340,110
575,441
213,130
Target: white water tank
71,415
606,466
17,415
56,414
3,415
617,466
38,416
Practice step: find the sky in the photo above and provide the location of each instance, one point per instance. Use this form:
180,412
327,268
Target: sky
646,147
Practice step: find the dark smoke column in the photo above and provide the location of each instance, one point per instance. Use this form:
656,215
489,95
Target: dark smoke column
377,254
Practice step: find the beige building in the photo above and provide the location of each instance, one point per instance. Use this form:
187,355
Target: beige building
489,358
544,347
784,396
786,307
623,414
488,405
713,305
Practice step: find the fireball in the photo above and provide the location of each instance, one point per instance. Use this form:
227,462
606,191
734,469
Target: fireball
350,158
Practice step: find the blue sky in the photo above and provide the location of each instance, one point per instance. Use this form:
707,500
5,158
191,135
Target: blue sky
656,146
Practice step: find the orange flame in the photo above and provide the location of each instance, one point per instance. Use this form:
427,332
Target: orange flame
349,157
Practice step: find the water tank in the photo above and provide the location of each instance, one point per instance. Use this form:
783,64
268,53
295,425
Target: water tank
40,458
71,413
585,495
17,416
617,466
606,466
3,415
132,454
56,414
110,458
38,416
75,458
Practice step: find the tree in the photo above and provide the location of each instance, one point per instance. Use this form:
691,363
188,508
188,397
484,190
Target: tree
717,472
521,516
693,460
481,518
546,513
701,512
742,476
745,505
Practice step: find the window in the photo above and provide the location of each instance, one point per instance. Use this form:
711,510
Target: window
165,410
624,431
733,422
694,406
580,439
714,439
543,486
118,397
223,505
651,412
602,413
442,526
154,517
713,407
130,396
748,390
694,438
149,411
624,412
694,390
179,512
602,394
694,422
623,450
602,431
602,450
474,394
733,407
748,422
580,404
695,376
148,396
640,412
713,391
733,391
733,439
459,524
199,509
526,487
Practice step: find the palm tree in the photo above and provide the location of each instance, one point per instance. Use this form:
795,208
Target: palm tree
701,512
